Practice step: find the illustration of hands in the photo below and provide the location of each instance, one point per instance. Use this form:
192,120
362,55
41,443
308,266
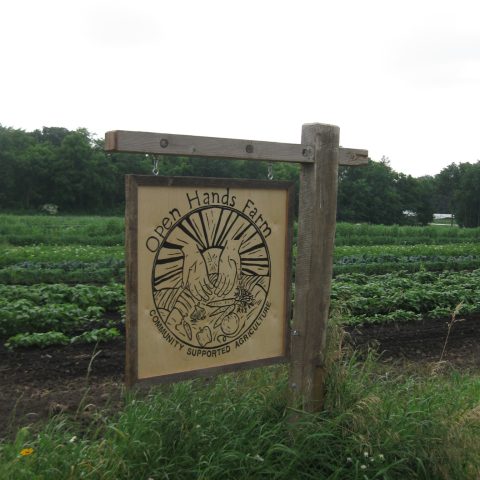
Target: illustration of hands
229,267
195,273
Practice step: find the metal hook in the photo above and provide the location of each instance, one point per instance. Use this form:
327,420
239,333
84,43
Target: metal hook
270,171
155,165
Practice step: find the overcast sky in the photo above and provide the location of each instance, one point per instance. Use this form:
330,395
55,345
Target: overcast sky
401,79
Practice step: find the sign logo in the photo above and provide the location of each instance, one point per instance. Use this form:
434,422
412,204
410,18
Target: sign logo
211,275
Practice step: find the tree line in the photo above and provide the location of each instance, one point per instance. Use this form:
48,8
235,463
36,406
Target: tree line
70,169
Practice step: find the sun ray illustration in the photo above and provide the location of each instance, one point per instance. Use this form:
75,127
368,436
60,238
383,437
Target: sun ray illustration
211,276
204,229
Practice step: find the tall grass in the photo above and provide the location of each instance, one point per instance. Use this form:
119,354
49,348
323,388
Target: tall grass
378,423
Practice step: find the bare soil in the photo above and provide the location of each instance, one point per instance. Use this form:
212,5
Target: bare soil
423,341
79,380
75,379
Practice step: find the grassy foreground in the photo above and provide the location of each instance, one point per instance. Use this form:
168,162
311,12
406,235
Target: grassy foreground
377,423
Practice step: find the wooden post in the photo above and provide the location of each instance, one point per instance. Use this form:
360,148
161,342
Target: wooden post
316,235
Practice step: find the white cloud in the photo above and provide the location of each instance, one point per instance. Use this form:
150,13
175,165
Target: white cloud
399,78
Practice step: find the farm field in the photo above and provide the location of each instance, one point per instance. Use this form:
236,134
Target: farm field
62,317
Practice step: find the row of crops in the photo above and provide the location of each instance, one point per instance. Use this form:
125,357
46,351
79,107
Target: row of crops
30,265
61,279
109,231
401,296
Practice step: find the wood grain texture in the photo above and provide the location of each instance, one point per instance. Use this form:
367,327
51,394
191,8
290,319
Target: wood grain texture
316,233
131,281
189,145
288,266
352,157
208,372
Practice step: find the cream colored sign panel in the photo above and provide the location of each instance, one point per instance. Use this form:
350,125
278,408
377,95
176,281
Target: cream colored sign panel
212,275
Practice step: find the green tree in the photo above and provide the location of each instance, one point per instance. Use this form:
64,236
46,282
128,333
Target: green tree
466,197
424,208
369,194
416,196
83,177
33,176
52,135
446,183
12,142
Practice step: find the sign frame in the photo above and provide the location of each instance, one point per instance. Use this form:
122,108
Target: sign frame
132,185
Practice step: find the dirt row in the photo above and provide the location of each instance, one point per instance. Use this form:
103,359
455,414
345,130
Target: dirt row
423,341
81,379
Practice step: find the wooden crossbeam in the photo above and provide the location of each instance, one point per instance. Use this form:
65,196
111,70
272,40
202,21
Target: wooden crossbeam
189,145
352,157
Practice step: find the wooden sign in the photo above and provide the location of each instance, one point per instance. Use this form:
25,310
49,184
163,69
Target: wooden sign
234,338
208,275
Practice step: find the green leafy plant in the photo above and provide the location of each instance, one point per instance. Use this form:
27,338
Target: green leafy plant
403,296
41,340
97,335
